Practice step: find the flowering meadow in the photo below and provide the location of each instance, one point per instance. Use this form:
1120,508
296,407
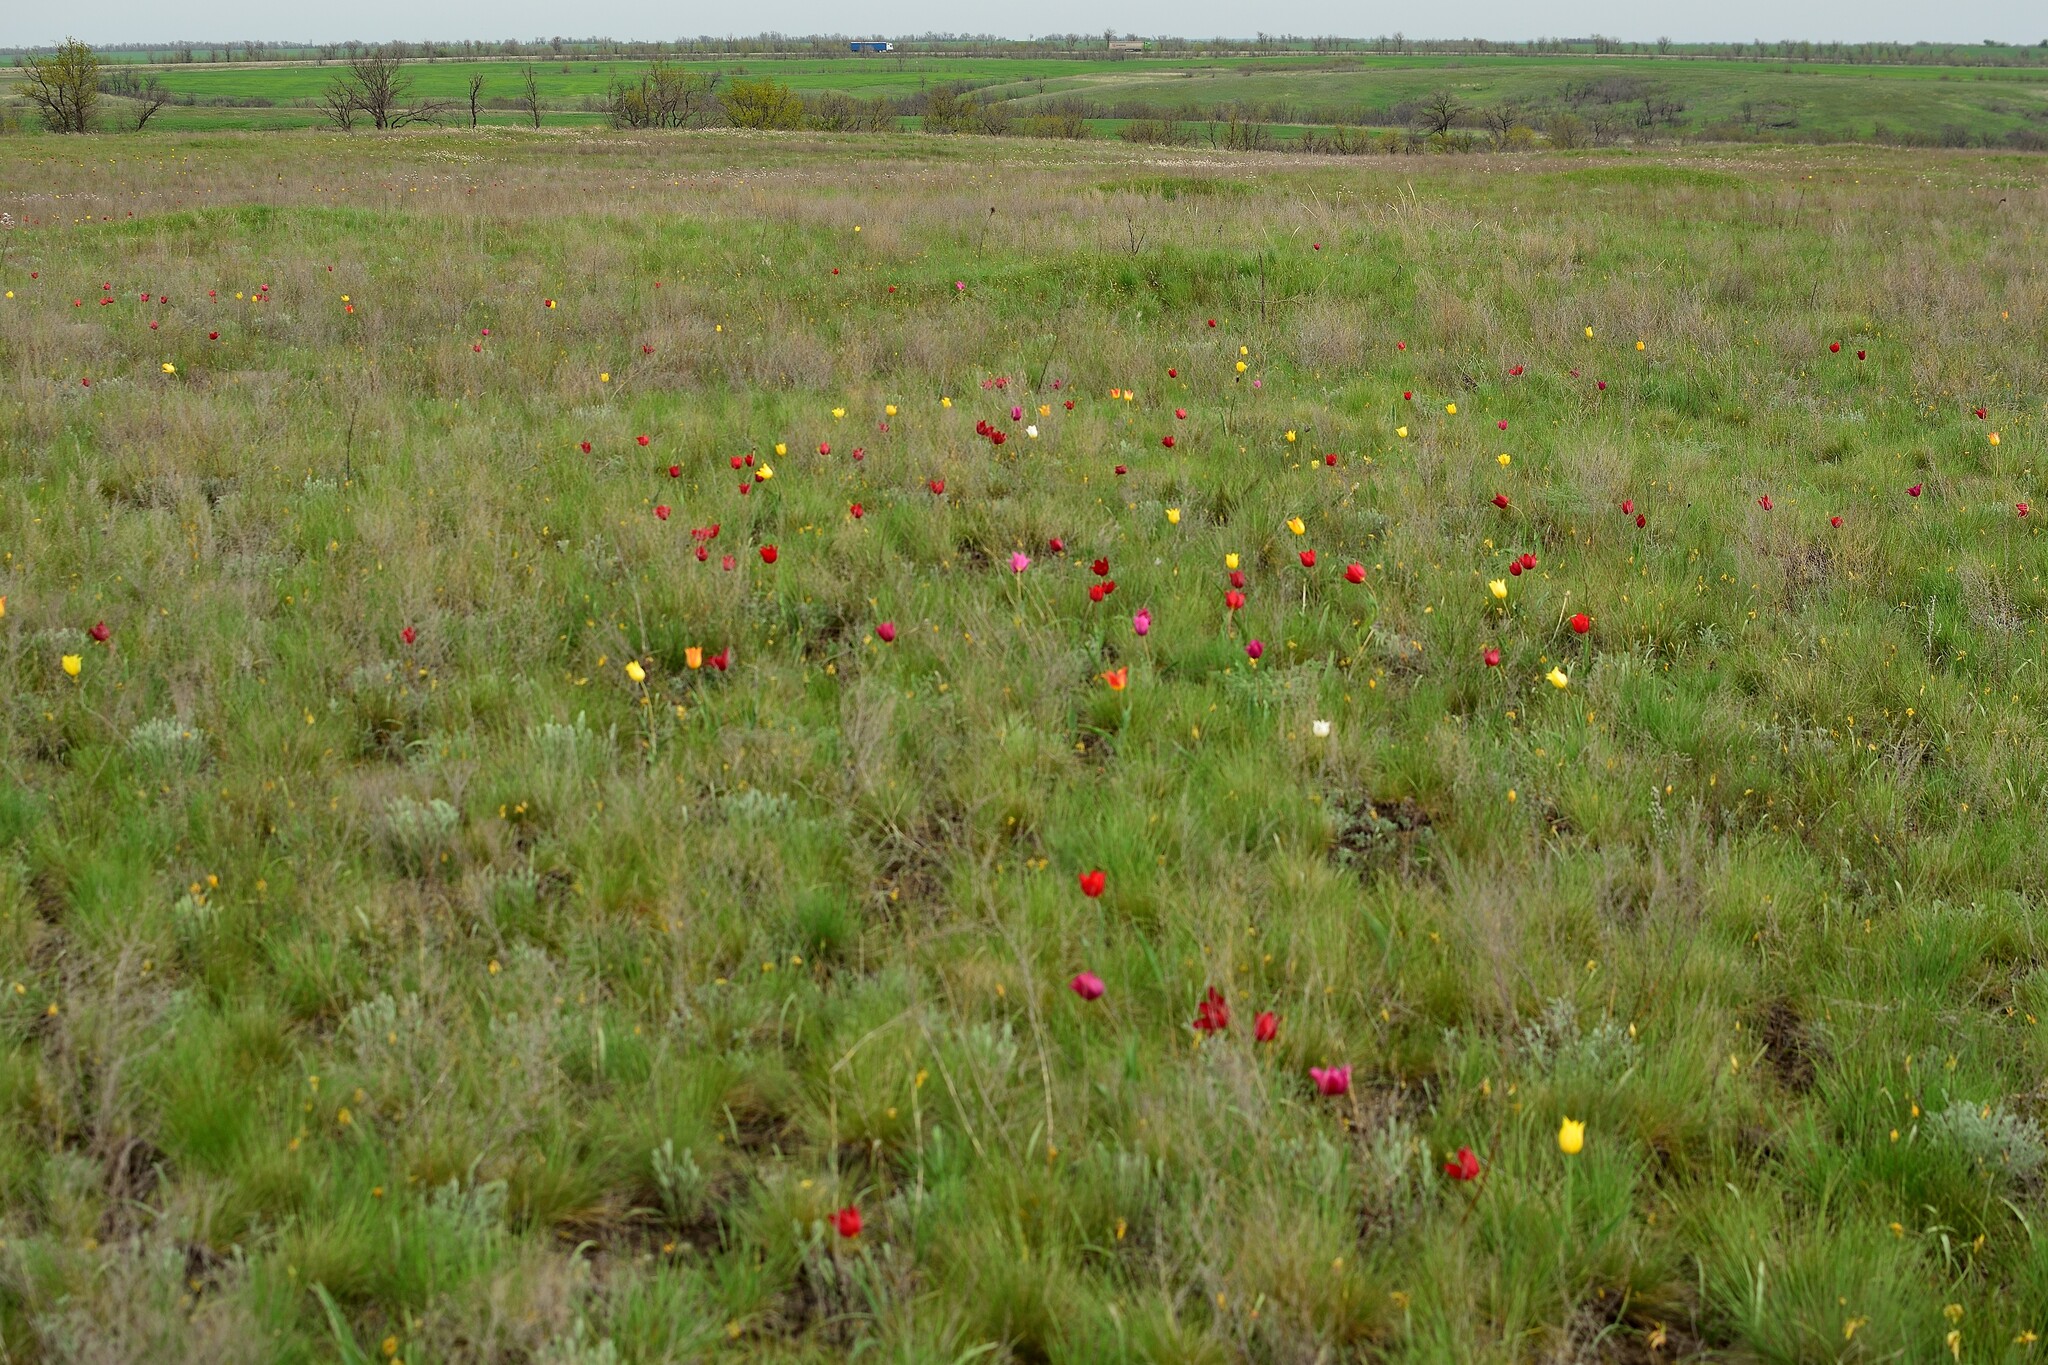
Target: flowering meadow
627,749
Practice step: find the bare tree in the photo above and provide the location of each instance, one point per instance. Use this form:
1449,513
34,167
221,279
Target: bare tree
665,96
529,98
1439,111
149,96
476,94
377,87
65,86
1499,120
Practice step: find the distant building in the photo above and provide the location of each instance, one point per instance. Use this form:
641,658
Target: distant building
871,47
1122,47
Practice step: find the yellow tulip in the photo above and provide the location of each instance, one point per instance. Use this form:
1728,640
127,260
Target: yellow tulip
888,410
1296,525
1639,345
72,663
781,448
764,473
1401,432
1451,408
635,671
169,368
1045,409
1240,367
1498,587
945,402
1557,679
1173,516
1244,350
1290,438
1571,1136
693,656
838,413
1504,462
1229,562
1589,334
605,377
3,606
1994,438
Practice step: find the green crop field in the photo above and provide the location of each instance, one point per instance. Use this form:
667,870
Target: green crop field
1807,101
658,747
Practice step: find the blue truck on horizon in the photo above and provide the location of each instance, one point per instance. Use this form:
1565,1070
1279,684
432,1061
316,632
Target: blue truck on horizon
871,46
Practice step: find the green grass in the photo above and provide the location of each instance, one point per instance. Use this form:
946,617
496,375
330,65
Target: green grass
464,992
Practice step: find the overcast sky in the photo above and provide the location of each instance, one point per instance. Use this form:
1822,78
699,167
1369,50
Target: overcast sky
25,22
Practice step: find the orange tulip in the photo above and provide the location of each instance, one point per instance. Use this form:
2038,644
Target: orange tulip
1116,678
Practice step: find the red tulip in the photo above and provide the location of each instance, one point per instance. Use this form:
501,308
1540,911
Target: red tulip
1408,394
100,633
1914,491
938,487
1087,985
860,454
1764,502
1980,414
1212,1015
585,447
2021,508
1101,568
1464,1166
661,511
1581,623
1491,657
1335,1080
1212,322
1166,441
1641,521
1503,424
1056,545
847,1220
1834,521
1600,384
1528,561
1628,505
1266,1027
675,471
1181,413
1500,500
886,632
737,461
1070,405
1330,459
702,554
768,553
1254,650
1172,373
1233,599
726,562
1834,347
1093,882
1308,559
1237,578
824,447
1515,569
1859,355
408,635
1516,371
1097,591
1354,573
722,658
213,336
1121,471
641,439
858,511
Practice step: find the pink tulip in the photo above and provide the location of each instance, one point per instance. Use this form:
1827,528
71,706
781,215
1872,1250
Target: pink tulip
1087,985
1253,650
1142,623
1335,1080
886,632
1019,562
1016,413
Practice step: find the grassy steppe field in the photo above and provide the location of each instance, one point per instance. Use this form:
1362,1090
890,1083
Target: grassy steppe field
548,766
